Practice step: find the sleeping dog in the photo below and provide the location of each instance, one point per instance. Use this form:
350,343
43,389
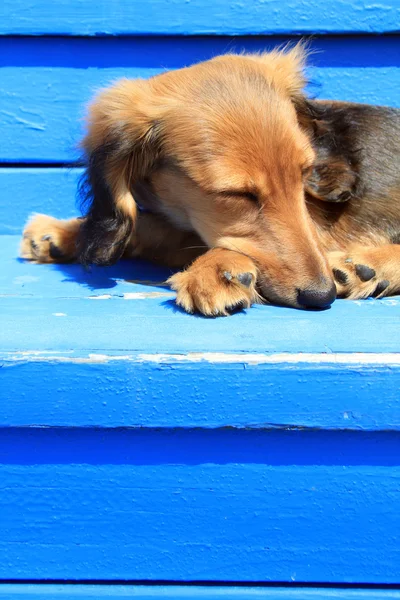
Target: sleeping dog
227,171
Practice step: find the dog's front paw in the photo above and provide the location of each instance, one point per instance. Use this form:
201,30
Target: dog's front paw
362,272
216,283
49,240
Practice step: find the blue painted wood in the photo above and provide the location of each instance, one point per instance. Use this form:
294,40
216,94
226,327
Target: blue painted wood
195,505
141,443
24,191
27,300
57,389
75,17
62,75
111,337
86,592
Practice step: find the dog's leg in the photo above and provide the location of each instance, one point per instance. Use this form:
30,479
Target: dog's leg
50,240
160,242
364,271
216,282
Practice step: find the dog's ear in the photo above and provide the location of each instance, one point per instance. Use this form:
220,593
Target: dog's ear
334,176
285,69
332,180
121,146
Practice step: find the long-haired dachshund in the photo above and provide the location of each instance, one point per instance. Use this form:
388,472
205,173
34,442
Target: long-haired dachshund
227,170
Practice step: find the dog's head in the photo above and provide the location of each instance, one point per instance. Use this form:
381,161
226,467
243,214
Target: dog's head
227,155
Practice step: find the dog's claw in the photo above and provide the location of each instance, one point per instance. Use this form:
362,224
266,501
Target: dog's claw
381,287
245,279
340,276
364,272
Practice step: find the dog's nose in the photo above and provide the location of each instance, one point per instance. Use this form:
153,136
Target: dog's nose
320,297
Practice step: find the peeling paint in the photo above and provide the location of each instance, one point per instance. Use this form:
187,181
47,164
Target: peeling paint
353,359
144,295
99,297
133,296
258,359
22,279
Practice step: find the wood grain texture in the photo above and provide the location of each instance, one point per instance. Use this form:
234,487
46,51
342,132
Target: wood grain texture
93,592
196,505
139,443
63,75
125,17
115,337
24,191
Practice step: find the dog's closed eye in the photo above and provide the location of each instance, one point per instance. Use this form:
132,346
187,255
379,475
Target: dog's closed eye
240,194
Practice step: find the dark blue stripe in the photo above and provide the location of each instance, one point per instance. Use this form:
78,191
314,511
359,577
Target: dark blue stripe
30,446
176,51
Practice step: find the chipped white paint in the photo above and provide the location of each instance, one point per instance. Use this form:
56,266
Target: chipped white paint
345,359
297,358
22,279
99,297
390,301
133,296
27,353
145,295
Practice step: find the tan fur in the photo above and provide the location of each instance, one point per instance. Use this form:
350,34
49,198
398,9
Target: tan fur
220,155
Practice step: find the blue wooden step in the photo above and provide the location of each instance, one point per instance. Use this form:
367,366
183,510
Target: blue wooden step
140,444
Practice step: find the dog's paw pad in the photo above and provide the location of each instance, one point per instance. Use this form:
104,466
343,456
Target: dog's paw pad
55,251
364,272
245,279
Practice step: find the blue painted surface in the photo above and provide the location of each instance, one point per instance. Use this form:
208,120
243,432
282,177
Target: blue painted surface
50,191
110,336
217,17
63,74
141,443
86,592
49,388
195,505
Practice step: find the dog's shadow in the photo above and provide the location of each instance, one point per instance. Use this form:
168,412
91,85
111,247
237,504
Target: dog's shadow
135,272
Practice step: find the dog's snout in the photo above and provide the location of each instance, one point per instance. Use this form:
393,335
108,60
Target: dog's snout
317,297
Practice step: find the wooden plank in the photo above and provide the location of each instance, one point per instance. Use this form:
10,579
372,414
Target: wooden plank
89,592
62,76
108,333
195,505
197,17
48,390
47,126
24,191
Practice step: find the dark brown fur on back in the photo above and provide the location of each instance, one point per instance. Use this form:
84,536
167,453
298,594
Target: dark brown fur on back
357,168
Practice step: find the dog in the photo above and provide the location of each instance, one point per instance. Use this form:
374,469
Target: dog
227,170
